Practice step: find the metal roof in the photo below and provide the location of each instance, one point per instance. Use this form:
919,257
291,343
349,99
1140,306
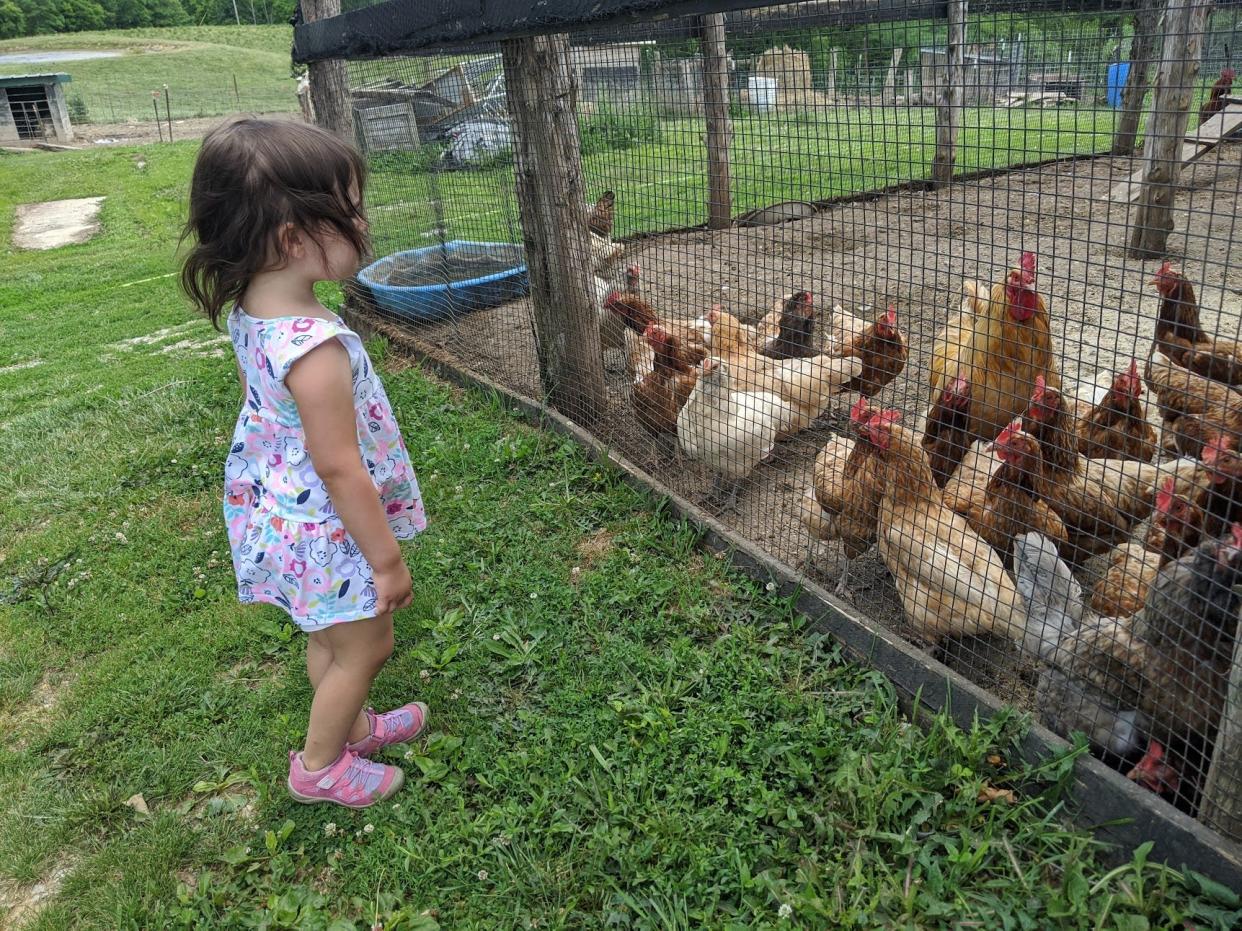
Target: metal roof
18,80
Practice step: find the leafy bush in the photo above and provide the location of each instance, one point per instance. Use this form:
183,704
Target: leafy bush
78,112
610,130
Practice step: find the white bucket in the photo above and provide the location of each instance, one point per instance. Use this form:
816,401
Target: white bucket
762,93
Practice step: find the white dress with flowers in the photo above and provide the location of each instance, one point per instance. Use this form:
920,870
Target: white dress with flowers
289,545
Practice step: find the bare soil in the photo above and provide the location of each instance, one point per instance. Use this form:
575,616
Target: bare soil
913,249
133,132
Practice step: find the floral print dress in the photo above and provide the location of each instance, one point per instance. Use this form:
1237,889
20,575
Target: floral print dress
289,545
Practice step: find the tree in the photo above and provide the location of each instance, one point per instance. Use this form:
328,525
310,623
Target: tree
12,20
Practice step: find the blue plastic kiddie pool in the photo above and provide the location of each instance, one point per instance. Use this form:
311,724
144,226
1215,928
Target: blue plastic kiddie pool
447,280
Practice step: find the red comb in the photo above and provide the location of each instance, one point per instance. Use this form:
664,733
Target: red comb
885,417
859,410
1028,266
1040,386
634,268
613,297
1164,497
1134,368
1236,532
960,385
890,315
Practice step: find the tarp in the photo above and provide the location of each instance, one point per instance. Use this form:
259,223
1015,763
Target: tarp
395,27
398,26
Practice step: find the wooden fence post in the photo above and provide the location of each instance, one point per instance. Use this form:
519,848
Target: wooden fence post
719,124
952,96
1222,791
831,88
329,80
890,78
1184,23
542,94
1143,51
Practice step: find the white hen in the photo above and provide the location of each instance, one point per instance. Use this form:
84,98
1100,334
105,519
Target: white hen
730,431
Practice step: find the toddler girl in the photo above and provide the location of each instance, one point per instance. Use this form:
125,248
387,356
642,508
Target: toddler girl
318,483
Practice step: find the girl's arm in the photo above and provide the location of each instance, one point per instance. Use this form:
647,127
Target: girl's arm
322,388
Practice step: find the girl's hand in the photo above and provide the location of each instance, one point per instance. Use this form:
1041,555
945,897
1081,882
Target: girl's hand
393,589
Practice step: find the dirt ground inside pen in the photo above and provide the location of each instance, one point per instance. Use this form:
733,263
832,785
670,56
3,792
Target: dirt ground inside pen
912,249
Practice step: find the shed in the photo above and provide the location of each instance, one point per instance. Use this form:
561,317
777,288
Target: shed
32,108
988,75
610,73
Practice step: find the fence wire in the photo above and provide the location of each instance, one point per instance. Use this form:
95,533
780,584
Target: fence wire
989,414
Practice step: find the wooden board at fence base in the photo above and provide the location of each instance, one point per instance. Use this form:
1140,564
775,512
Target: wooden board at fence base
1197,145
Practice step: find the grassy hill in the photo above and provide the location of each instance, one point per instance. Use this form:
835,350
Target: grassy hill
209,70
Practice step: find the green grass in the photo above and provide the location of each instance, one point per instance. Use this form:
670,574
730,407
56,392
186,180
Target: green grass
209,70
625,734
662,185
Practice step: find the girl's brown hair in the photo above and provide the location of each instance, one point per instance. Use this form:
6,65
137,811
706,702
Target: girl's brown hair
252,177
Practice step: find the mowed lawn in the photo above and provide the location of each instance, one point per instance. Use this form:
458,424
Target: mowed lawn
208,70
624,733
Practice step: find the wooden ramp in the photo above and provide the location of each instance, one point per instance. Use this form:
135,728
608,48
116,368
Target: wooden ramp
1197,144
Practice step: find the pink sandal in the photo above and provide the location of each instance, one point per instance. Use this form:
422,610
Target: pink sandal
392,727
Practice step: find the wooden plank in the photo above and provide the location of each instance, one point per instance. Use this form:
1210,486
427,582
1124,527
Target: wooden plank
1205,138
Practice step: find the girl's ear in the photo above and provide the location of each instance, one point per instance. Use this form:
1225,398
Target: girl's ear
292,242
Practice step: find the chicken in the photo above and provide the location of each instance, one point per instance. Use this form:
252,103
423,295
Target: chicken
1215,102
1171,661
1154,773
1133,565
1194,409
807,385
795,329
1098,499
950,581
728,430
952,337
1180,336
945,437
1000,351
637,314
1058,629
845,497
1117,427
660,395
600,216
1179,391
1221,496
1009,506
843,328
1190,434
1186,633
882,349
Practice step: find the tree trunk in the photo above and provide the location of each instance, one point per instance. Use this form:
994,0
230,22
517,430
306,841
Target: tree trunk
329,80
1222,792
1143,51
719,125
1184,22
952,97
542,93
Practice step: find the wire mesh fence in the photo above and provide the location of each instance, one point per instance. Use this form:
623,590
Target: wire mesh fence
998,414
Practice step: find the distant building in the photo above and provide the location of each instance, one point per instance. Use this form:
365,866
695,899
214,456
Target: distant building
32,109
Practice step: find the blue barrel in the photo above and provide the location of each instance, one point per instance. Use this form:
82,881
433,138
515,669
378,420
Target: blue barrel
1117,74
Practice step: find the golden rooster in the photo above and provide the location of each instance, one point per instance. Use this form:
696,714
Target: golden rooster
999,349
